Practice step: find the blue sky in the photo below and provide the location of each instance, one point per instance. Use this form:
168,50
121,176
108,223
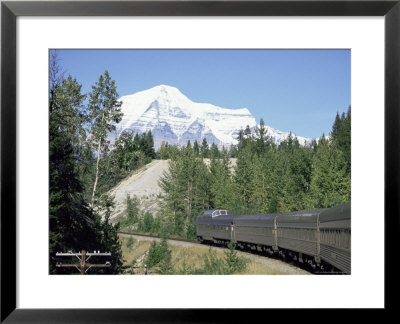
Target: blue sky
292,90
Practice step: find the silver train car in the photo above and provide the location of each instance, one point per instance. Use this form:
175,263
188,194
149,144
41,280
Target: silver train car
320,238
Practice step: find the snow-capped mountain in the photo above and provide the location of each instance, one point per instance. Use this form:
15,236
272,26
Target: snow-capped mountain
174,118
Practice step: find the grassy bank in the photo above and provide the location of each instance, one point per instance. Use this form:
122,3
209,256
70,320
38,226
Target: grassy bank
193,259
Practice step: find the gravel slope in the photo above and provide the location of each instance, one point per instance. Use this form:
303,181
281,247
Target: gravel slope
143,184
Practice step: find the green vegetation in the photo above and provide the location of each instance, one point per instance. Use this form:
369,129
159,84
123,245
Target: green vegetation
132,212
189,260
212,265
82,167
160,256
159,261
267,178
233,263
130,242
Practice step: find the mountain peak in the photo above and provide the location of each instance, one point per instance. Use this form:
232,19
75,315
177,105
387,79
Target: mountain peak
165,87
174,118
166,91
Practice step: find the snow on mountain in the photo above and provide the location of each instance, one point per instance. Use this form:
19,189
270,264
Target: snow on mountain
174,118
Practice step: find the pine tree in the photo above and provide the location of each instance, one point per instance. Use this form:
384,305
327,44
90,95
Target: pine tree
56,75
247,131
214,152
149,151
163,151
204,149
173,188
132,209
341,135
73,225
221,183
196,148
263,197
261,137
336,127
244,173
70,218
330,181
295,173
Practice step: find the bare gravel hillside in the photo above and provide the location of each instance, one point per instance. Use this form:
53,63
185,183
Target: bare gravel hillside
143,184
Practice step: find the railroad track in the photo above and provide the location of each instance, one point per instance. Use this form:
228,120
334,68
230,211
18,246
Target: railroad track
158,237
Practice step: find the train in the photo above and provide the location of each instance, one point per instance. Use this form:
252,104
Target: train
320,239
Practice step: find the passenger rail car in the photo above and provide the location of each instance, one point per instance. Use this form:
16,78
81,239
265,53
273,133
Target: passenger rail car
216,226
321,238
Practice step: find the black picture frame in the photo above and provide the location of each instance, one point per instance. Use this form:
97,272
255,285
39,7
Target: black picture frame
10,10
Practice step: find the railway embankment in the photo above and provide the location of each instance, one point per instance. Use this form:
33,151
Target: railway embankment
188,256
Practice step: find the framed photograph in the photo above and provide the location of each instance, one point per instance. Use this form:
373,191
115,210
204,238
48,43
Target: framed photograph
354,45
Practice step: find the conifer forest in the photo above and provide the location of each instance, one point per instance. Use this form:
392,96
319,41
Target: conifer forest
84,165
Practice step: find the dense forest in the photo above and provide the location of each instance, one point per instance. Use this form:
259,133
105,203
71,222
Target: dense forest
267,178
84,166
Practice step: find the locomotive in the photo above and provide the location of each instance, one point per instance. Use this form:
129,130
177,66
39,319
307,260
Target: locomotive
320,238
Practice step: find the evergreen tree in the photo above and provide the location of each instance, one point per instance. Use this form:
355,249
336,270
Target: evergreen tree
233,262
233,151
204,149
146,224
244,173
108,236
330,181
341,135
295,164
240,139
196,148
186,190
70,218
221,183
149,150
68,110
214,152
163,151
56,75
261,137
173,189
264,183
73,225
247,132
125,152
336,126
132,209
